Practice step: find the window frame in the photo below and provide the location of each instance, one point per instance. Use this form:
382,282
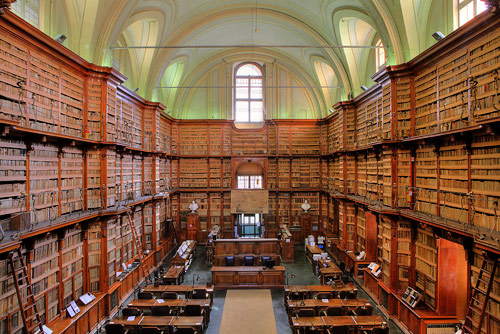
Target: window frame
378,63
465,3
249,87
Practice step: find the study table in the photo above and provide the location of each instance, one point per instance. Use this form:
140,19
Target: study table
311,251
248,277
150,304
309,291
332,272
159,321
184,290
174,275
362,322
319,304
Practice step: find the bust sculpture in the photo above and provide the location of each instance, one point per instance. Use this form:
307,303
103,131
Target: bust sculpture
193,207
305,206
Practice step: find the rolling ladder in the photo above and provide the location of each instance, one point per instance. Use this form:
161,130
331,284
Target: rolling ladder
480,295
27,303
138,245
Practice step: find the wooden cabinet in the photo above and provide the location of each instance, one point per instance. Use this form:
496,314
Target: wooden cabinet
193,226
287,244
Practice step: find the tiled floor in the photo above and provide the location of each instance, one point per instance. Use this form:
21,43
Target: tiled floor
303,275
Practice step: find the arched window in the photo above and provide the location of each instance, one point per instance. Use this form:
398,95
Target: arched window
467,9
248,93
380,52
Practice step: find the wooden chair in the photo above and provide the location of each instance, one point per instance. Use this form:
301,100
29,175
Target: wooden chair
295,295
185,331
229,261
200,294
131,312
152,330
144,295
324,295
333,311
248,261
115,329
365,310
306,312
339,330
161,311
169,295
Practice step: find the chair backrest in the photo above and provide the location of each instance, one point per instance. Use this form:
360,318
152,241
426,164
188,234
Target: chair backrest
185,331
200,294
343,294
295,296
169,295
334,311
264,259
249,261
144,295
229,261
150,330
341,330
380,330
351,271
129,312
115,329
342,266
351,295
365,310
306,312
192,310
324,295
161,311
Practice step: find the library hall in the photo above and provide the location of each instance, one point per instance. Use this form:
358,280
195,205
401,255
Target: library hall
249,167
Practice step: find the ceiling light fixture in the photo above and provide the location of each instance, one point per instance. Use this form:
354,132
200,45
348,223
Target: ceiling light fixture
60,38
363,88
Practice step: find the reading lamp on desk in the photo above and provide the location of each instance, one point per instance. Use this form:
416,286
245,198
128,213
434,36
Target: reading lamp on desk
195,278
292,276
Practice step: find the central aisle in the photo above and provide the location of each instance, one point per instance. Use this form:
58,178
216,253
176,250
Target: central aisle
248,311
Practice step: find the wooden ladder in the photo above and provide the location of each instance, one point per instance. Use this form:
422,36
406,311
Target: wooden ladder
173,230
138,245
479,299
27,304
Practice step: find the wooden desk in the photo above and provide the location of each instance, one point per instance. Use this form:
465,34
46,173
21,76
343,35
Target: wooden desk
184,290
367,321
333,272
319,305
184,254
174,275
359,265
311,290
188,322
247,277
311,251
160,321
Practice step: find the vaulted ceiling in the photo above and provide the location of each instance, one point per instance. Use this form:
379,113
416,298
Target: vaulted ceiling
96,27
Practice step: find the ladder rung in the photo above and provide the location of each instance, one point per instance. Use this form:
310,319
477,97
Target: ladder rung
29,306
471,320
35,326
467,329
484,271
482,280
480,291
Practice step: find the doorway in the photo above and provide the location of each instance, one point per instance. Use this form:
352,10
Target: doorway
249,226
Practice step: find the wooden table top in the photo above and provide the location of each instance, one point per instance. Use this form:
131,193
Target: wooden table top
246,269
175,288
174,272
320,288
314,249
149,303
121,320
156,321
311,303
187,321
332,270
332,321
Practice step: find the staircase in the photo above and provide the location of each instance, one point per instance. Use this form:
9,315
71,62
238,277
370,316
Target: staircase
27,305
138,246
480,296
